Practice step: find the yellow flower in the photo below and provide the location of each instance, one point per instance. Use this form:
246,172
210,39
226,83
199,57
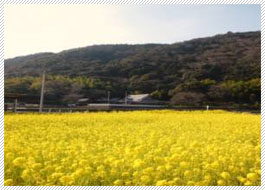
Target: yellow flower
184,165
248,183
100,168
31,160
83,162
59,169
25,175
208,177
133,148
221,182
8,182
176,179
9,156
145,179
19,161
161,183
49,169
253,177
225,175
215,165
128,183
190,183
169,167
79,172
138,163
66,180
187,173
125,174
148,170
37,166
100,173
56,175
171,183
113,172
241,179
135,174
161,168
118,182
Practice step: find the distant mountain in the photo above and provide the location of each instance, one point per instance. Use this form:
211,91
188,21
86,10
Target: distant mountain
197,67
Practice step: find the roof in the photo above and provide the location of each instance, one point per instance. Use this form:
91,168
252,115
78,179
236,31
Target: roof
83,99
138,97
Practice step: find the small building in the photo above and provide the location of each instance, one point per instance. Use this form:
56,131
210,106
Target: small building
141,99
82,101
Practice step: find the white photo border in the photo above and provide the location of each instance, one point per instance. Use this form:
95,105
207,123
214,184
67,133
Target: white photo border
5,2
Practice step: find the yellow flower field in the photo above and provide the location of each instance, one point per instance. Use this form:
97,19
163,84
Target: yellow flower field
133,148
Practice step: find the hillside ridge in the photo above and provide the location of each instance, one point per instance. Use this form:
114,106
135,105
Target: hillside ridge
194,68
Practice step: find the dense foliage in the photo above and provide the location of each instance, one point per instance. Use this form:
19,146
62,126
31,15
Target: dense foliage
224,69
133,148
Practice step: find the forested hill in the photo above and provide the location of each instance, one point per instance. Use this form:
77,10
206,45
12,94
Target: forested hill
223,69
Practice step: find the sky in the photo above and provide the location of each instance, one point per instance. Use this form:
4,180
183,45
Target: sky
30,29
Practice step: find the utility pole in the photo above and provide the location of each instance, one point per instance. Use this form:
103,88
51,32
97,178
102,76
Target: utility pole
125,97
108,97
42,91
15,105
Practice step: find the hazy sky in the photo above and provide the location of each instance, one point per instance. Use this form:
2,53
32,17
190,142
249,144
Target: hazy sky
53,28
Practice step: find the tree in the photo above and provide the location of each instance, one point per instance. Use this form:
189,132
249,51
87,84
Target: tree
188,98
74,94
